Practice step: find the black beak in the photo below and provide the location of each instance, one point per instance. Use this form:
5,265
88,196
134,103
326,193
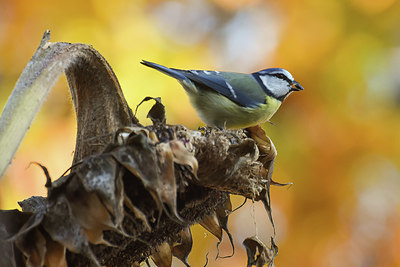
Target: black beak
296,86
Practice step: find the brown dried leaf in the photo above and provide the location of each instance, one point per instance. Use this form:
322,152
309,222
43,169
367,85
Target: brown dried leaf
258,254
35,204
64,229
21,229
267,149
211,223
55,254
182,248
182,156
163,255
140,158
123,134
12,221
101,175
153,165
264,143
280,184
157,111
138,213
33,245
222,215
166,171
9,254
91,214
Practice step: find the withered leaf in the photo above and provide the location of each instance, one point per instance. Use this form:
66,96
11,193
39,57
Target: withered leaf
12,221
64,229
137,213
157,111
258,254
123,134
55,254
182,248
222,215
166,173
14,225
162,257
101,175
211,223
182,156
153,165
33,245
36,204
264,143
89,212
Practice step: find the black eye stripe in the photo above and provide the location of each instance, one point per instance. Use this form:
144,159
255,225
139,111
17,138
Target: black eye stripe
281,76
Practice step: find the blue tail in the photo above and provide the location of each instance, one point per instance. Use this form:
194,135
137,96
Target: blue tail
170,72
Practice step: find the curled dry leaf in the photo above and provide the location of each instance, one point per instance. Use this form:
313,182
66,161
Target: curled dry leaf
101,175
258,254
222,215
66,230
182,156
166,172
210,223
90,213
183,246
153,165
55,254
157,111
162,256
33,245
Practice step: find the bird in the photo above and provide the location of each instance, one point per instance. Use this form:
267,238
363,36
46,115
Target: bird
231,100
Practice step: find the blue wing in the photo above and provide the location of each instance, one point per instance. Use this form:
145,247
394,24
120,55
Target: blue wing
242,90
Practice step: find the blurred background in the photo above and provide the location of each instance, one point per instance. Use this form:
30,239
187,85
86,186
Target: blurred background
338,141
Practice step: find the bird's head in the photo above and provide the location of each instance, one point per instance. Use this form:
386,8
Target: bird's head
276,82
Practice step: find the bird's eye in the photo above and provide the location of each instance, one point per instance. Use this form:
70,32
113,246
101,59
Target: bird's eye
280,76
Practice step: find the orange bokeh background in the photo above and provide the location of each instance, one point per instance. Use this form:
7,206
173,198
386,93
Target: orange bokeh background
338,141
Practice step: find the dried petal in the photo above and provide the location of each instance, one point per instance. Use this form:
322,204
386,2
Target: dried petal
183,156
55,254
140,159
182,248
66,230
138,213
100,174
153,165
34,204
163,255
157,111
33,245
166,171
88,210
211,224
264,143
222,215
258,254
12,221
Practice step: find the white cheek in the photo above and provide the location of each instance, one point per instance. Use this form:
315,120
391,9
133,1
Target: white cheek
277,86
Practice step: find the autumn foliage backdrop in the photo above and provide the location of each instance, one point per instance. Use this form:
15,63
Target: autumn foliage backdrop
338,141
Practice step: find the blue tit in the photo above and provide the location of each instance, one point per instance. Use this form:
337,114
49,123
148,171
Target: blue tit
234,100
